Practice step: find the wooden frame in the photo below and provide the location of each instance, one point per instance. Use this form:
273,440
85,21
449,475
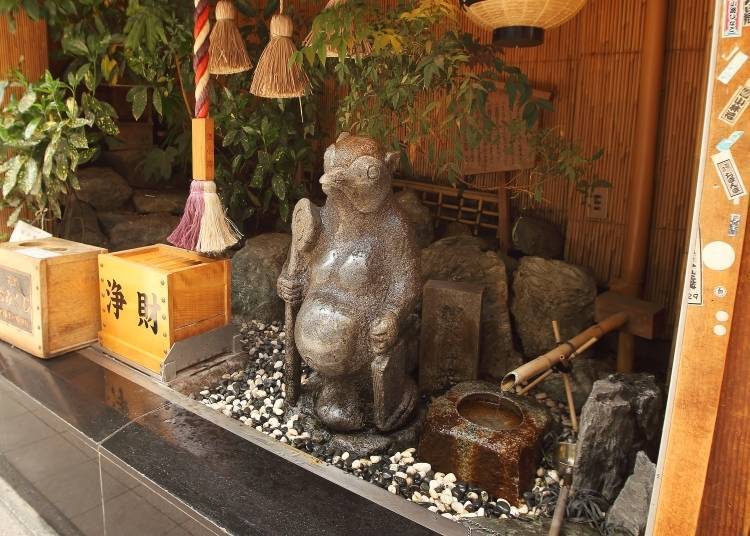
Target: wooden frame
707,320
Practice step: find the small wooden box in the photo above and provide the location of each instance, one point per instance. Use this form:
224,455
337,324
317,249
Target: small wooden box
154,296
48,295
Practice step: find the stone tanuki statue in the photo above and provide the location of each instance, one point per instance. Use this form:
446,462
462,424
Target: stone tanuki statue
353,271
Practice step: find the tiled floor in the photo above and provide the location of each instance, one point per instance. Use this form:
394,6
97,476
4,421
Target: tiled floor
71,475
97,452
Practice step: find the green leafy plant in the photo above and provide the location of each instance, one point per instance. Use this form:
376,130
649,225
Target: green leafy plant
420,64
392,93
47,133
556,159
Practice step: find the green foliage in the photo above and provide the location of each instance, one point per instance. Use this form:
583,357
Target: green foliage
393,93
557,159
261,145
48,134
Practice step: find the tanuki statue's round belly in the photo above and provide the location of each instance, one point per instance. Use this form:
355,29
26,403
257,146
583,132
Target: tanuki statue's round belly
326,333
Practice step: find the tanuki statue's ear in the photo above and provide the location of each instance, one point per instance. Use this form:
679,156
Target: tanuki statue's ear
342,136
392,160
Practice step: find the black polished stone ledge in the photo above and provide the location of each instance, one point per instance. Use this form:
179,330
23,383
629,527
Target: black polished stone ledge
105,450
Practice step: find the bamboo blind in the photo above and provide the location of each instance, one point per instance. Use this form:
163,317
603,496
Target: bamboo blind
591,65
27,50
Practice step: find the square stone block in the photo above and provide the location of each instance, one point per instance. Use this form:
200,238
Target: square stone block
451,332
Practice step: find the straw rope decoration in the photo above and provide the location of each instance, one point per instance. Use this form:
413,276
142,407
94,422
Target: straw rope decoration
227,53
204,226
276,77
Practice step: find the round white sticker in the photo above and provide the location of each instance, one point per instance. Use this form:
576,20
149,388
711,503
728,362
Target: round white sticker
718,256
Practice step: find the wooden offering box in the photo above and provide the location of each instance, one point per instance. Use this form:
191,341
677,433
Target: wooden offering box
155,296
48,295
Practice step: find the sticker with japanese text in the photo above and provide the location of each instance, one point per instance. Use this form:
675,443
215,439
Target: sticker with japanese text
695,283
730,176
733,17
734,224
746,14
736,105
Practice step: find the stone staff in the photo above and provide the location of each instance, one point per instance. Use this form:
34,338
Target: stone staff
305,229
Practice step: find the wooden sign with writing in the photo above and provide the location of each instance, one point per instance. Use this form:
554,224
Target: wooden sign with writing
15,298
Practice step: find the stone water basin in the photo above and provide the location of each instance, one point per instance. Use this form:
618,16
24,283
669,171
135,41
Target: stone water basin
486,437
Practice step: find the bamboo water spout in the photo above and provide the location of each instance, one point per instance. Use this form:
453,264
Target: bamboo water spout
563,352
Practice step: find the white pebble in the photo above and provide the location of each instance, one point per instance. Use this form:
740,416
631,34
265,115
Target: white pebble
278,364
422,467
345,456
458,507
450,478
375,459
393,489
278,411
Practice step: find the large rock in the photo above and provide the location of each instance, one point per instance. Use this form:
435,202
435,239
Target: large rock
620,417
629,513
80,224
103,188
538,238
255,269
547,290
151,201
129,164
462,258
418,215
138,230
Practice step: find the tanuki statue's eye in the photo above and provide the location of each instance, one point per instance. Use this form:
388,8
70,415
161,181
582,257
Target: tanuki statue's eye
373,172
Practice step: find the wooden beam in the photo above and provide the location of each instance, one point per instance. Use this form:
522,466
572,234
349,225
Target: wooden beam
726,498
710,291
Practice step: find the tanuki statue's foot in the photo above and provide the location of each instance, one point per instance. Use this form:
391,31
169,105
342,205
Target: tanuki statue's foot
403,412
340,407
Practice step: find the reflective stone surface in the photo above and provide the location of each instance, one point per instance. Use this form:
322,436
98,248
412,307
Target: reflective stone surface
95,453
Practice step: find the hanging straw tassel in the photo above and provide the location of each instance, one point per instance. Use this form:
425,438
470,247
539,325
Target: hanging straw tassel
227,53
217,232
358,50
275,77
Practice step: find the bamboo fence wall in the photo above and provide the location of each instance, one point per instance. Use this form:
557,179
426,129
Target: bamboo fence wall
591,66
26,48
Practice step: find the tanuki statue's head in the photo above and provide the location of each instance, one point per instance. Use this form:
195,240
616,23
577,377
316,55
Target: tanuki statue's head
357,170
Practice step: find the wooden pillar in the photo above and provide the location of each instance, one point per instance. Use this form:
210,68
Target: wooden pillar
695,457
726,498
504,223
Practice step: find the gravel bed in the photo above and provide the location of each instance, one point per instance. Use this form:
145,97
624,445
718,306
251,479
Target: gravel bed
255,396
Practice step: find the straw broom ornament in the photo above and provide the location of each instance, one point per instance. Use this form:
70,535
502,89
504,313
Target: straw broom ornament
204,226
275,76
227,53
